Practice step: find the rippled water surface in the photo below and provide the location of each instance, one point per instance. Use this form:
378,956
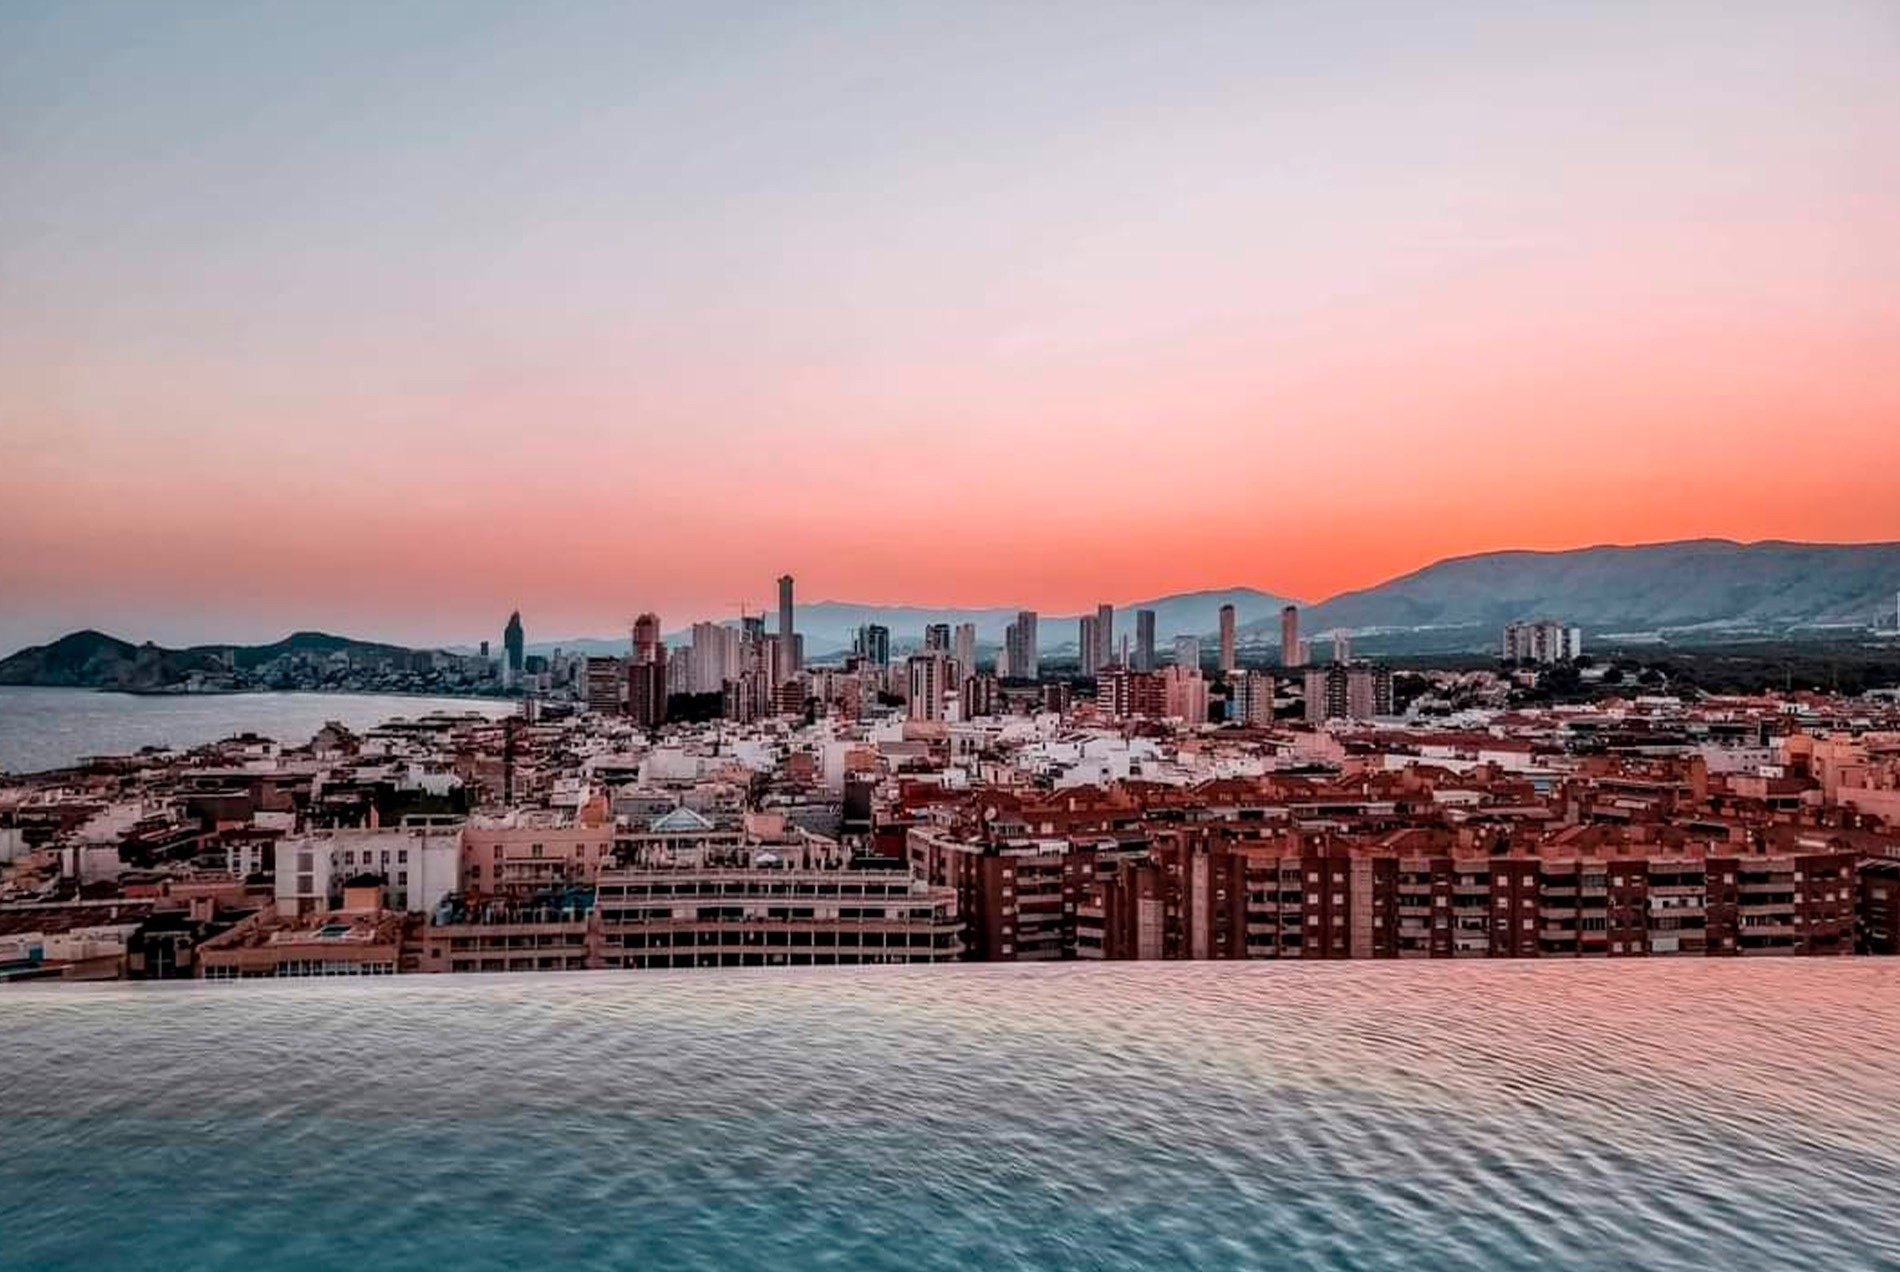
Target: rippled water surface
1497,1115
50,728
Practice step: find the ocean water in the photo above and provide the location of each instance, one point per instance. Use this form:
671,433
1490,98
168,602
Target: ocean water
51,728
1631,1115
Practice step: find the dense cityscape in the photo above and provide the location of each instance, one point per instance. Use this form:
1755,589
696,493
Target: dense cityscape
726,803
921,637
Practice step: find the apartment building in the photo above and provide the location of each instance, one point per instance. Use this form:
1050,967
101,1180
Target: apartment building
757,909
553,931
527,851
418,863
1201,894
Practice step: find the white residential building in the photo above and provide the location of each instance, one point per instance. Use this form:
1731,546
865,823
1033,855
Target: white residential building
420,862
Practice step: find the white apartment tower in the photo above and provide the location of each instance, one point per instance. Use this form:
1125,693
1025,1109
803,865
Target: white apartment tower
929,679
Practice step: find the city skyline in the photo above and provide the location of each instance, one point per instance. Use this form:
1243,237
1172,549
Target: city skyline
1297,294
475,630
620,621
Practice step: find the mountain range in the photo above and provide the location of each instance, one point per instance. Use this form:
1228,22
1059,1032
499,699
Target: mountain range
1770,586
1712,585
90,659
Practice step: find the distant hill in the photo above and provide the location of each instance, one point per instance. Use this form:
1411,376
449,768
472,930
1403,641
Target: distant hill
94,660
310,643
1770,586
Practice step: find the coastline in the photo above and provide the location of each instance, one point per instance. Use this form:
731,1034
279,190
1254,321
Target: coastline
172,693
55,728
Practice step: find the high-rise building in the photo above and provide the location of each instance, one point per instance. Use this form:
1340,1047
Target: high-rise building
1019,645
1185,693
966,650
1122,693
646,673
748,696
1144,640
603,680
1342,645
758,666
937,638
709,657
1229,657
1088,644
770,662
1252,700
1290,655
1355,691
646,643
1104,635
980,695
1187,652
514,644
873,644
1541,640
929,679
787,644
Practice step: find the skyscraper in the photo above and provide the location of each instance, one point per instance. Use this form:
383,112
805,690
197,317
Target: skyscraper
1342,645
929,678
787,646
646,673
1019,647
1290,636
1228,657
1088,644
966,649
1144,640
873,644
708,662
514,642
1104,635
937,638
647,646
1187,652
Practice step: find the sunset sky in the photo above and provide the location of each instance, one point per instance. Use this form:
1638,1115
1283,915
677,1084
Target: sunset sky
390,318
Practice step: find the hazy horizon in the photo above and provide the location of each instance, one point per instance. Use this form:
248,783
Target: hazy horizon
675,625
385,320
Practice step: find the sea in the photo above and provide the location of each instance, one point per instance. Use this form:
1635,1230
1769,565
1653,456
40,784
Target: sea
1639,1114
52,728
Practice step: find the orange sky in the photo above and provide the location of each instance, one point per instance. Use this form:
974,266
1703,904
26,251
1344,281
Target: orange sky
1272,297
